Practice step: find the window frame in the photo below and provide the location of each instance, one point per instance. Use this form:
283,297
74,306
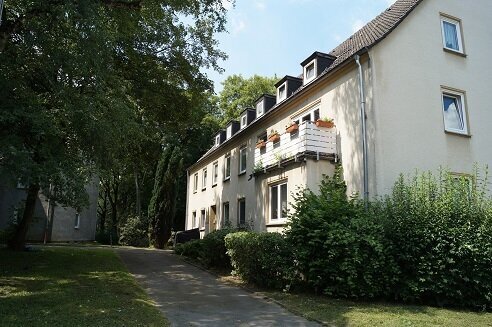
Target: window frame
311,63
215,173
459,33
217,140
260,108
239,201
461,96
77,220
227,166
244,121
203,218
226,213
311,113
193,219
204,179
284,86
242,161
195,182
279,217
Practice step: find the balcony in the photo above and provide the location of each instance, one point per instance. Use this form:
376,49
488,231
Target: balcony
309,141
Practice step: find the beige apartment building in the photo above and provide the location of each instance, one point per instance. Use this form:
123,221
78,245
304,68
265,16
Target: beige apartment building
419,73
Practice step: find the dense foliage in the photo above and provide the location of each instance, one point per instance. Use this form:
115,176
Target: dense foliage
134,232
265,259
340,250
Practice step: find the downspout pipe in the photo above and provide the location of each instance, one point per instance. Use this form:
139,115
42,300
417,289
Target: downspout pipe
364,134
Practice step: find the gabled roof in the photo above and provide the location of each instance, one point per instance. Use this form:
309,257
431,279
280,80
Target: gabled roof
368,36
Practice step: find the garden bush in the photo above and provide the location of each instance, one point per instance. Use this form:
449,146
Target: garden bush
191,249
339,249
134,231
264,259
440,231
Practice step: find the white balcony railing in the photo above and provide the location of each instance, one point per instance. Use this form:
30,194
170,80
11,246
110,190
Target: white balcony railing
309,139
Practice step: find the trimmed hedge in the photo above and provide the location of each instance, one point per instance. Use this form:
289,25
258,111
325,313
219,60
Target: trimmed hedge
264,259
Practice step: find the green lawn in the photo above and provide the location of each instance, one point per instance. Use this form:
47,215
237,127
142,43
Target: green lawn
65,286
347,313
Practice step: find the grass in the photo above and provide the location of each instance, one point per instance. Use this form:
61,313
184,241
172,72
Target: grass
347,313
68,286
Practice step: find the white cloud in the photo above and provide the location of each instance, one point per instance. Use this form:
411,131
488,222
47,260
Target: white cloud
357,25
260,5
227,4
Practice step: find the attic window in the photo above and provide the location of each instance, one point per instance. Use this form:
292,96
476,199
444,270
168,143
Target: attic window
259,109
244,121
217,140
282,92
310,71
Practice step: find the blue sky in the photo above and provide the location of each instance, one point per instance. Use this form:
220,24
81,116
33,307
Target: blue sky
268,37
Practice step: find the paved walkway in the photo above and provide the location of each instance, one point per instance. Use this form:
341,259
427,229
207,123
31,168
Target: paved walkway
189,296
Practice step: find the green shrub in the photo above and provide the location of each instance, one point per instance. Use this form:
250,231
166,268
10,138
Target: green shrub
214,250
192,249
264,259
134,232
440,229
339,249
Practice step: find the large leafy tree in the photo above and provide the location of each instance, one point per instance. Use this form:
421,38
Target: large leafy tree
84,83
239,93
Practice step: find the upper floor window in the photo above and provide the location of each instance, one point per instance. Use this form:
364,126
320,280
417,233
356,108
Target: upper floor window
195,182
215,173
259,108
278,202
242,159
454,112
227,166
204,178
310,116
282,92
310,71
451,34
244,121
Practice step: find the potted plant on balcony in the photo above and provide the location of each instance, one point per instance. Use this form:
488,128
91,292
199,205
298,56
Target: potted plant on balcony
260,144
274,136
292,127
258,168
325,122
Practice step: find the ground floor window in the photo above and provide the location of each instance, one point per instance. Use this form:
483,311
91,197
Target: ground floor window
278,201
77,221
225,213
241,211
202,218
193,219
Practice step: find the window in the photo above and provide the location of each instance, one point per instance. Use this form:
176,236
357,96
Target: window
217,140
242,159
244,121
77,221
262,137
195,182
451,34
241,211
227,166
229,132
278,202
204,178
282,93
259,109
225,213
310,71
454,113
215,173
202,219
310,116
193,220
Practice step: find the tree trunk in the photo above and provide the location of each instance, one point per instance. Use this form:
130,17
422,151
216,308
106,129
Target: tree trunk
18,241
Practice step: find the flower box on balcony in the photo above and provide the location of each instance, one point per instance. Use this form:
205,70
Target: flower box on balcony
275,137
260,144
292,128
325,123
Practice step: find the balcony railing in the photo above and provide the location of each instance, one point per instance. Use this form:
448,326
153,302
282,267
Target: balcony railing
309,140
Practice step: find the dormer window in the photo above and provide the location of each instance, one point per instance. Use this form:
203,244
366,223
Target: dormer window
244,121
217,140
310,71
282,92
259,109
229,132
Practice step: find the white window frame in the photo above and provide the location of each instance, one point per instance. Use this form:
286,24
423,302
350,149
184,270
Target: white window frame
217,140
241,160
77,220
229,132
260,108
204,179
193,220
195,182
239,201
215,173
227,164
315,73
244,121
283,85
203,218
279,202
462,106
459,33
309,113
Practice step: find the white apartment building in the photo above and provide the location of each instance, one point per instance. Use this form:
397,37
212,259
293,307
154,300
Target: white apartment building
418,71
